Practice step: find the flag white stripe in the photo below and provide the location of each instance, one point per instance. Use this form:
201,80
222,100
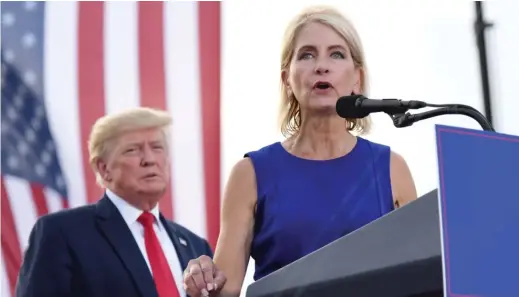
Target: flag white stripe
22,207
61,93
4,284
53,199
183,101
121,56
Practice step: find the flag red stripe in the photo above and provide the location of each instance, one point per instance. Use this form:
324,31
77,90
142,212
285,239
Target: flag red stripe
209,48
91,89
151,70
38,196
10,244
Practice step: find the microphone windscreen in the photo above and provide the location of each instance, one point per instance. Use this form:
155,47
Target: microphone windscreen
347,108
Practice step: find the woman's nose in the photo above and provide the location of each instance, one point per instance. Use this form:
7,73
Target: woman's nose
321,67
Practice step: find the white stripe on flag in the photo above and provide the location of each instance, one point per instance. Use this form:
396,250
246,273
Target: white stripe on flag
183,101
121,56
22,207
61,95
54,200
4,284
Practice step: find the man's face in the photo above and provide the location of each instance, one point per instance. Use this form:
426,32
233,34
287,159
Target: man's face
137,164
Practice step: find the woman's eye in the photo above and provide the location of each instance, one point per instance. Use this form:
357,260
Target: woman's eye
305,56
338,55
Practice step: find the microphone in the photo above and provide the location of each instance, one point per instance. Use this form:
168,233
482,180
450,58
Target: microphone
358,106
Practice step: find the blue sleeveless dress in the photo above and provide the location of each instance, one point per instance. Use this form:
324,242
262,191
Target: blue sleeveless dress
304,204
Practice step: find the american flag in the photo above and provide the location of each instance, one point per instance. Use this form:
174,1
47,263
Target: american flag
65,64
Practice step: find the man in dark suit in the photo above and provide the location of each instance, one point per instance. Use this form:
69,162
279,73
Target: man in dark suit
122,245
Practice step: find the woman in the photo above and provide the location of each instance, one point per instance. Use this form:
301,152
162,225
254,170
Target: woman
289,199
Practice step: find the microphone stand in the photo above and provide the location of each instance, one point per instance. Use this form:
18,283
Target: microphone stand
406,119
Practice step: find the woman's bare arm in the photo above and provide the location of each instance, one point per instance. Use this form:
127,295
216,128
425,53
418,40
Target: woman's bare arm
402,183
236,226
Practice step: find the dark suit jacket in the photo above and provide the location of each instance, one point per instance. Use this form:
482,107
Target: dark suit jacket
90,251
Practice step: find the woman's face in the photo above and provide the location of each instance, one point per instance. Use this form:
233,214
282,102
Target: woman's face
322,69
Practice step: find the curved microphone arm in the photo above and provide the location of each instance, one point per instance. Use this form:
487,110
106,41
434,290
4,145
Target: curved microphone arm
407,119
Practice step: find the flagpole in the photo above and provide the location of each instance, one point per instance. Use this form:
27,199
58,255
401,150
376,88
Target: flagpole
480,26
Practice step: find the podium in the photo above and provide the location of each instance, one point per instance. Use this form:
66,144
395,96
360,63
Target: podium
398,255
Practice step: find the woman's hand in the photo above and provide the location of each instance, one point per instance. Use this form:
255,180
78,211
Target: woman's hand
203,278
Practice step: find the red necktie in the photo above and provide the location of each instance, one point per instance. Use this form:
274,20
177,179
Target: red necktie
162,275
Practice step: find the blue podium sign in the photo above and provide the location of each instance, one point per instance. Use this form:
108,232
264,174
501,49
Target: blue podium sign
479,212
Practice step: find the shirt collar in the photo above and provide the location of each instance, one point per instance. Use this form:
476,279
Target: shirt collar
129,212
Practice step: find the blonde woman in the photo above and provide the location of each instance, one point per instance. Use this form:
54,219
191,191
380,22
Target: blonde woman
322,182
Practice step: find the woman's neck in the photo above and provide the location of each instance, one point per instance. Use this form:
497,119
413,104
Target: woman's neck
321,139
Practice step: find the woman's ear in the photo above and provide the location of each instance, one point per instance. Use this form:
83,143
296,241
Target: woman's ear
284,78
359,78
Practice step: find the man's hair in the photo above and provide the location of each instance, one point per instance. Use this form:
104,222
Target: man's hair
110,127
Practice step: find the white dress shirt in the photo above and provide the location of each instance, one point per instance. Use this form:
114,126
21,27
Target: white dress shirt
130,215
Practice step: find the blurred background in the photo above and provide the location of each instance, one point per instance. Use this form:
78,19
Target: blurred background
215,67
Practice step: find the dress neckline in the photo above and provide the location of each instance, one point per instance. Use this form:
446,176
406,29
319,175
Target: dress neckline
347,155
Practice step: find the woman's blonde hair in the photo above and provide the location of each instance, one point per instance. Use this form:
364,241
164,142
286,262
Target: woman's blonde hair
290,111
110,127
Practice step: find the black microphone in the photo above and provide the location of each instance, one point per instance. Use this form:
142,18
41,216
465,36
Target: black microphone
358,106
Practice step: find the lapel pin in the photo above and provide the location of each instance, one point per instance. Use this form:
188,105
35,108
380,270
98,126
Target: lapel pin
182,241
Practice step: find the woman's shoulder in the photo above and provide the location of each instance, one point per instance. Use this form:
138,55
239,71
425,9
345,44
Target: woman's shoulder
255,168
262,158
374,146
264,151
262,163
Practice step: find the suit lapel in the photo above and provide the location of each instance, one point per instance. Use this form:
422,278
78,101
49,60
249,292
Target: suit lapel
182,245
116,231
